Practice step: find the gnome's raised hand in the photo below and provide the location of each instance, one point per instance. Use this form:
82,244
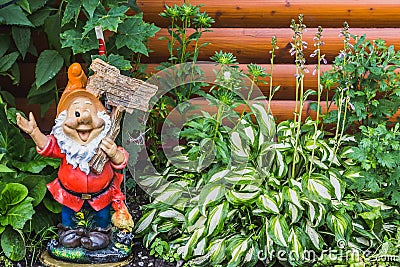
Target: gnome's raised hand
31,128
110,148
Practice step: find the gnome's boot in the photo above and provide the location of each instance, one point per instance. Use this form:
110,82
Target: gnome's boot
98,239
71,238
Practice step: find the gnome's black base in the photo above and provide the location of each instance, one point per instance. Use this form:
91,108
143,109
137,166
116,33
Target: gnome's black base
118,250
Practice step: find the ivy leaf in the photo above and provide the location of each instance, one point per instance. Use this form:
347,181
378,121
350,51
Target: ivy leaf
47,67
13,15
73,38
22,38
133,34
113,18
90,6
119,62
72,11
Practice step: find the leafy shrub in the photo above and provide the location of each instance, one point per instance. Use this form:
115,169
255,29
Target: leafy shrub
24,206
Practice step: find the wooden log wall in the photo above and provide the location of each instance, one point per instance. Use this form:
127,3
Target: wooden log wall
245,28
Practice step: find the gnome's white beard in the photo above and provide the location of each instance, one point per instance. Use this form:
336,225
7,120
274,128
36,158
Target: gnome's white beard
77,154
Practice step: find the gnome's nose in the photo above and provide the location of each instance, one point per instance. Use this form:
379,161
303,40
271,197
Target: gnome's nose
85,118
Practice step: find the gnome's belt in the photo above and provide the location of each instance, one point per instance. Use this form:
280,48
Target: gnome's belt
87,196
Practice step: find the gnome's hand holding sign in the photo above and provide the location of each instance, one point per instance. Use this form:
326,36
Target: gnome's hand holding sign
81,127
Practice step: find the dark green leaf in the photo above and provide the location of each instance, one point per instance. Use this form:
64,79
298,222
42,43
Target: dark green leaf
52,28
39,17
11,141
35,5
19,214
90,6
8,97
52,205
37,188
13,15
13,244
4,44
119,62
73,38
7,61
47,67
22,38
72,11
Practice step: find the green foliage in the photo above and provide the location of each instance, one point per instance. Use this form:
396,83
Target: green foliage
365,82
23,178
161,249
70,32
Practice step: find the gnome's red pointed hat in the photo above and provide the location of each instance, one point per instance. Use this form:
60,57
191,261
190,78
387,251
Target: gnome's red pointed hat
77,81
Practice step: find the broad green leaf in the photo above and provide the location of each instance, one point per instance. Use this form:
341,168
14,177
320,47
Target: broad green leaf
12,143
267,204
340,224
4,44
119,62
22,38
72,11
12,194
79,44
317,187
48,65
4,168
13,244
36,188
19,214
314,236
172,214
52,205
52,28
239,198
209,195
278,230
90,6
145,221
13,15
134,33
7,61
216,218
25,5
217,248
291,194
39,17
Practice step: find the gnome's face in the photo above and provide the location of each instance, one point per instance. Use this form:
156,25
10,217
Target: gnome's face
82,123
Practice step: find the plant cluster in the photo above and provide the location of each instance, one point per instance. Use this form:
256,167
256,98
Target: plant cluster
25,208
243,192
69,29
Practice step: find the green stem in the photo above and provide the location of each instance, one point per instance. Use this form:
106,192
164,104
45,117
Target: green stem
270,79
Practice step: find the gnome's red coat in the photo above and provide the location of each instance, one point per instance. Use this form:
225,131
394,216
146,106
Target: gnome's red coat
77,181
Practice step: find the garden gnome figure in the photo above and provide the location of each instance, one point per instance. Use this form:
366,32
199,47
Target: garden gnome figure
81,127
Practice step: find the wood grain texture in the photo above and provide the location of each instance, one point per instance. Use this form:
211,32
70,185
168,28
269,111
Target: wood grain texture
279,13
253,44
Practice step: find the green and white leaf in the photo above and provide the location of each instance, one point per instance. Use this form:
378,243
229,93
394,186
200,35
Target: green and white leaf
145,221
317,187
340,224
278,230
336,182
216,218
291,194
314,236
217,248
268,204
239,198
209,195
172,214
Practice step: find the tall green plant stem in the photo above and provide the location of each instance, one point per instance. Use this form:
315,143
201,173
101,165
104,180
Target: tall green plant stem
271,71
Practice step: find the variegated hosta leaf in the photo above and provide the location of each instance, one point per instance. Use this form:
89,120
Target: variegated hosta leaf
265,120
200,222
192,215
267,204
238,179
353,173
169,196
375,203
217,250
317,187
295,245
145,221
340,224
318,162
240,150
187,250
314,236
210,194
172,214
337,183
239,198
216,218
166,226
315,213
281,167
292,195
237,250
218,176
200,248
248,130
278,230
150,181
294,212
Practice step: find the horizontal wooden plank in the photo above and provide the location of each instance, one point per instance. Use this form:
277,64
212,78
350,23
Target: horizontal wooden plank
283,75
279,13
253,44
